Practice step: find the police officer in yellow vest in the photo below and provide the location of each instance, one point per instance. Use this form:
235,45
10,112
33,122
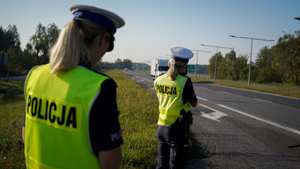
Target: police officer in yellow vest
71,115
175,95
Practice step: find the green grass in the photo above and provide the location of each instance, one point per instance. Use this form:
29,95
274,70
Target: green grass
11,119
141,71
295,94
138,118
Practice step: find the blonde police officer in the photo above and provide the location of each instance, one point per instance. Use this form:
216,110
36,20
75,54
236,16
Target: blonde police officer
71,115
175,95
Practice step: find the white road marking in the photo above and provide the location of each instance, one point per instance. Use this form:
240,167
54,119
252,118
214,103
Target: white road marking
263,120
203,87
226,92
256,92
151,81
216,115
263,100
201,99
140,79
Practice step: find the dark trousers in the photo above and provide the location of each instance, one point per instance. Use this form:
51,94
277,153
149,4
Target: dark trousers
173,146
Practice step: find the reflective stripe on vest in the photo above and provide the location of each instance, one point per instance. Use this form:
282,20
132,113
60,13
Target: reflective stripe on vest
169,95
57,113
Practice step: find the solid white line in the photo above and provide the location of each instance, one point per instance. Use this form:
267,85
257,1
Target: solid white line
201,99
203,87
263,100
226,92
256,92
263,120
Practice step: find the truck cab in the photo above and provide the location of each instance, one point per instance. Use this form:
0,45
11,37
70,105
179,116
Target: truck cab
159,67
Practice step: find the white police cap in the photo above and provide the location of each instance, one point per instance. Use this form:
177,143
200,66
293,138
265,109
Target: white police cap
107,19
181,54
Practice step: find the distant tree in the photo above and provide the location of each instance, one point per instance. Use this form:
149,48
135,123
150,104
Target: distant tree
29,48
229,60
224,65
30,59
222,69
52,34
202,69
141,66
5,38
43,39
118,64
212,61
264,66
10,43
107,65
287,58
127,63
240,68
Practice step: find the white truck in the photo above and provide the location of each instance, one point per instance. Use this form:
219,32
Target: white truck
159,67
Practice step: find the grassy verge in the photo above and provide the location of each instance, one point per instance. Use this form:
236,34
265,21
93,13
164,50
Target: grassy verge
140,71
11,119
295,94
138,118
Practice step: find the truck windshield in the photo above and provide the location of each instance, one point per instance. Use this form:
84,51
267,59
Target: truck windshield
163,68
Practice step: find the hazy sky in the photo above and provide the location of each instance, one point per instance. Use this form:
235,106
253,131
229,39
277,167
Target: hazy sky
154,26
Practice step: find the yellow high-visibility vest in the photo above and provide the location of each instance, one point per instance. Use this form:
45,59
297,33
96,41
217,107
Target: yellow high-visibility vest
169,95
57,118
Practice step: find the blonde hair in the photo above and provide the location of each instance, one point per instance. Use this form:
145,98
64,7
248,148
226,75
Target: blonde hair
72,44
173,65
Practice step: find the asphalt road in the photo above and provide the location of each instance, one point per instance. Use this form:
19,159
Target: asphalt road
237,128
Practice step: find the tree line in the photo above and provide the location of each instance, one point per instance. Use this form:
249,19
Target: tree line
277,64
36,51
118,64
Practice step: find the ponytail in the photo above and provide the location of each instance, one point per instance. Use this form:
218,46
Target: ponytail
173,65
72,45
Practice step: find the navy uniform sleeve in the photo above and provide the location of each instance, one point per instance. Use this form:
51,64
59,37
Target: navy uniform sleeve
104,126
188,94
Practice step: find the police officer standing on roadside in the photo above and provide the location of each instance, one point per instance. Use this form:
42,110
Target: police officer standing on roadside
71,114
175,95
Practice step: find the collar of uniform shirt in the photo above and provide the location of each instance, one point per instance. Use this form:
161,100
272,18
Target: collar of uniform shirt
84,64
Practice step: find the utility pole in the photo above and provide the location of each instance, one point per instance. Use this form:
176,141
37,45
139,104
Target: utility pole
11,41
216,64
249,77
197,59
